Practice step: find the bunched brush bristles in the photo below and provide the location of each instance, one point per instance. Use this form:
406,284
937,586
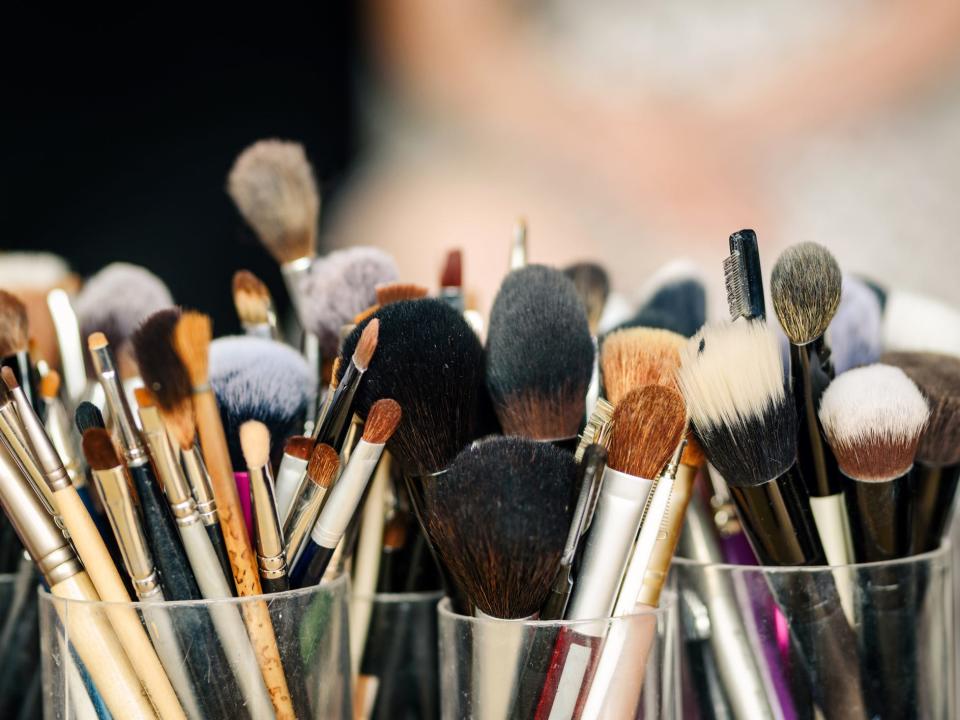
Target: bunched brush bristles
805,287
382,421
499,519
14,328
272,184
593,286
430,361
395,292
117,299
732,378
251,298
539,354
323,465
872,417
88,416
634,357
938,377
259,379
647,426
854,334
340,286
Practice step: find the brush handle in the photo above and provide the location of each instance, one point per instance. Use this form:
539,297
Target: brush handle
168,643
274,585
160,528
335,421
570,671
215,533
936,491
28,379
880,518
109,586
312,563
818,466
242,560
533,676
100,650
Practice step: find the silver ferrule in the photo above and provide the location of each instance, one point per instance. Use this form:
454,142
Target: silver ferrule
43,450
61,434
293,274
344,497
121,510
266,523
133,449
19,447
33,523
175,485
260,330
304,510
200,485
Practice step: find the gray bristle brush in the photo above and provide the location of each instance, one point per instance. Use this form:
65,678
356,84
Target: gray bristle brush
854,333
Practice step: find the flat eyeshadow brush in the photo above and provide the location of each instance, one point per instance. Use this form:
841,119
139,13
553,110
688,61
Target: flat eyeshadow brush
321,473
293,466
255,441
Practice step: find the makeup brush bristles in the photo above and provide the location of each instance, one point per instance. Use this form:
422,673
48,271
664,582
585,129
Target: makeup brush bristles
323,465
273,187
805,287
593,286
255,441
634,357
251,298
367,345
647,426
99,449
873,417
50,385
299,446
382,421
14,328
395,292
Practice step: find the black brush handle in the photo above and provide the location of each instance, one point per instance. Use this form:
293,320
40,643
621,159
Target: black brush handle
274,585
335,423
176,577
818,466
215,533
881,519
935,492
28,379
533,676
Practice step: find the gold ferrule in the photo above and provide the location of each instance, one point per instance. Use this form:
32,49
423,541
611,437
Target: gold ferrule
133,450
46,455
266,523
34,524
171,474
22,452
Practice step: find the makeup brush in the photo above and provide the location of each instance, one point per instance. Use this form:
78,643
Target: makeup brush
675,299
167,379
806,287
255,441
451,281
634,357
254,306
338,287
743,277
539,355
14,346
937,465
88,416
593,286
335,421
732,380
272,185
342,501
915,322
70,344
191,340
259,379
854,333
322,471
293,465
57,425
873,417
392,292
518,247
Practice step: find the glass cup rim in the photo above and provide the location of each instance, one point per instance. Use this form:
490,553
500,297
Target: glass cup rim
939,554
409,598
338,584
663,610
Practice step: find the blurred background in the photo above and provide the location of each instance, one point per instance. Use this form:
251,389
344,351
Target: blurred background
626,132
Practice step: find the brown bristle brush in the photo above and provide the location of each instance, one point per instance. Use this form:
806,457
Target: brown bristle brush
395,292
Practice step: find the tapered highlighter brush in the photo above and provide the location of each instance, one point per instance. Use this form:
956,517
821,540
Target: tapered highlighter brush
937,466
540,356
333,425
293,466
255,441
167,380
732,379
321,473
94,636
873,418
254,306
343,499
743,277
15,347
191,340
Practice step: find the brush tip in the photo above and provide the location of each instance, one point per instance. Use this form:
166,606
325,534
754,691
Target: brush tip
144,397
255,443
88,416
9,378
97,341
806,285
647,426
452,275
367,345
99,449
396,291
50,385
382,421
300,447
323,465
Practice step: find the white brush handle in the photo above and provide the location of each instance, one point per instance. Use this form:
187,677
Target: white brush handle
289,476
344,497
226,620
833,526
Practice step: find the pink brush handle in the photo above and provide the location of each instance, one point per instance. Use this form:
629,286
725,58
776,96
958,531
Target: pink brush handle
243,490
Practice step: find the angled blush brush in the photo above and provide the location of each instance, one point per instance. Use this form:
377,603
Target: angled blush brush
254,306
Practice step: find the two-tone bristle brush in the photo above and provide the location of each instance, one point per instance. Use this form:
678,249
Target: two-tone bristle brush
254,306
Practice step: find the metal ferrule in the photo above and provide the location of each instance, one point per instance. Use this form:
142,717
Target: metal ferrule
266,524
43,450
61,434
304,509
34,525
171,474
344,496
133,449
200,485
22,452
293,272
119,504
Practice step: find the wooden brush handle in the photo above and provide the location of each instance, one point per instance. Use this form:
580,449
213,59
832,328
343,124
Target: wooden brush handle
99,649
246,574
106,579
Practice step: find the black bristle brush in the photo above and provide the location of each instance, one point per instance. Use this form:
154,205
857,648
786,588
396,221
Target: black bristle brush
539,355
677,301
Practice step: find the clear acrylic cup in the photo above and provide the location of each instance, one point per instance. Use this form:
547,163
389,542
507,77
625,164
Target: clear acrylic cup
394,641
222,678
524,669
19,644
873,640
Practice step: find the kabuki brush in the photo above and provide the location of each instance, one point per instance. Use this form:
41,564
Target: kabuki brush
805,287
873,417
499,519
539,356
167,380
733,383
937,466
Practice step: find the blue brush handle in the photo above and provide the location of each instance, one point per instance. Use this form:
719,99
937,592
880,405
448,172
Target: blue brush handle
311,565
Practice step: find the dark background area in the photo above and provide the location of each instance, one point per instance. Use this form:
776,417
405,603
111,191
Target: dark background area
119,135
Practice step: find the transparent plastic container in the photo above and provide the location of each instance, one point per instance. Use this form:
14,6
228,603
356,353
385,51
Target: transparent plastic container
394,640
19,645
310,626
873,640
524,669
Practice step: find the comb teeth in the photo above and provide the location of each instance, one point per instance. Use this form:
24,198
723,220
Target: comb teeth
734,275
